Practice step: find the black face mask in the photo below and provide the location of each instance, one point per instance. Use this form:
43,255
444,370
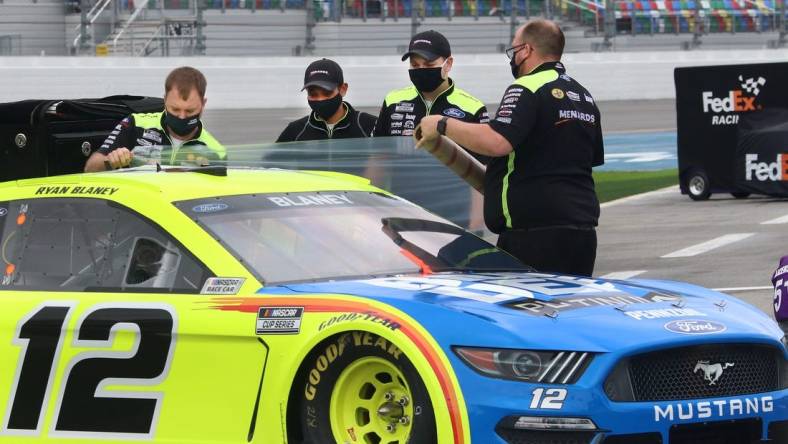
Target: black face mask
515,66
327,107
181,127
426,80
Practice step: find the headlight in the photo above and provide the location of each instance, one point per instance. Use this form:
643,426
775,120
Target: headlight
554,367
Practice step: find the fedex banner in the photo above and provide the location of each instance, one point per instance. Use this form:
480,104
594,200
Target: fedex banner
726,117
762,152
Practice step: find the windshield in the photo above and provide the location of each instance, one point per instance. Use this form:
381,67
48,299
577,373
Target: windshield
390,163
296,237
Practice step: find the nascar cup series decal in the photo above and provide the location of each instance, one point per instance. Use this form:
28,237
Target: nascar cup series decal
279,320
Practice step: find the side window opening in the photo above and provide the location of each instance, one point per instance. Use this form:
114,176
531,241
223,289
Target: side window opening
90,245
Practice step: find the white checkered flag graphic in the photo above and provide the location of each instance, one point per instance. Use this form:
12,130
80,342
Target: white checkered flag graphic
751,85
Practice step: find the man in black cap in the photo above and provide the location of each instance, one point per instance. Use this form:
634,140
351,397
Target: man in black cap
432,92
331,117
546,137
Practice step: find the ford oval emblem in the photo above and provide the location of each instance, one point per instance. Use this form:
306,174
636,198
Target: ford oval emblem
210,208
695,327
454,112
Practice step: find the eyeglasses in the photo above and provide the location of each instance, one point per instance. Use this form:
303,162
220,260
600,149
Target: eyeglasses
510,52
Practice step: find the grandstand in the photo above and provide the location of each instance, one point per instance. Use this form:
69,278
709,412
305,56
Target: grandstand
336,27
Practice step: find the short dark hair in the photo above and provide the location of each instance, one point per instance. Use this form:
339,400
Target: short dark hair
545,36
185,79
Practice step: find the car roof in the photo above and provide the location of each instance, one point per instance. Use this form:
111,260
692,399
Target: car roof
175,184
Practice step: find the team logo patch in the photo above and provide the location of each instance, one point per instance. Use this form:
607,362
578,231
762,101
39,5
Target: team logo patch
279,320
397,116
222,286
454,112
151,135
588,98
210,208
695,327
409,124
404,108
557,93
573,96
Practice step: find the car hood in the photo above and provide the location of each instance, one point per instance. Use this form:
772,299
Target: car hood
560,312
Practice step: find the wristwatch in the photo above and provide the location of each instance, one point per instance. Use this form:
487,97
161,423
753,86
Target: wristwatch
442,126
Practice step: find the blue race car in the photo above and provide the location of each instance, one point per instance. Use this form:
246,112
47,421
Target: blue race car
221,305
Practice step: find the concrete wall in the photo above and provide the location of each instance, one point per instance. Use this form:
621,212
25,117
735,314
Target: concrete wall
40,26
274,82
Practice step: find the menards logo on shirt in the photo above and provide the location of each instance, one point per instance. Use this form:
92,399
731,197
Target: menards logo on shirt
726,109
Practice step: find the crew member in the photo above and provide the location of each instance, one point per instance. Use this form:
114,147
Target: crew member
178,126
546,136
432,91
332,117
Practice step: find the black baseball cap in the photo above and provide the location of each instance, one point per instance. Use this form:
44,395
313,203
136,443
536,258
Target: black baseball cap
428,44
323,73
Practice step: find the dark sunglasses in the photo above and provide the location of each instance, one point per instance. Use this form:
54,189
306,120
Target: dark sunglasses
510,52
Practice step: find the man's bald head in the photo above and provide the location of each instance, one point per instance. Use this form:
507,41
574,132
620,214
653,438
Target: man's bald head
545,37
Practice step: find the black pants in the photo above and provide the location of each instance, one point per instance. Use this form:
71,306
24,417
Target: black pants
562,250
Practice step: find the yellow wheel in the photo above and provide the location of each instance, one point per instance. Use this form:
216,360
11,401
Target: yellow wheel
360,388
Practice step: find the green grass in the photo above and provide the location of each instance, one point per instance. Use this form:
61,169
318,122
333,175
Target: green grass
611,185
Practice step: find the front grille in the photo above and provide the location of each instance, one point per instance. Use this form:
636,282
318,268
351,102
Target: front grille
733,432
778,431
707,371
533,437
640,438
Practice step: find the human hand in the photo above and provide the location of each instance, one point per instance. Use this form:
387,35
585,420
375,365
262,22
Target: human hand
427,131
118,158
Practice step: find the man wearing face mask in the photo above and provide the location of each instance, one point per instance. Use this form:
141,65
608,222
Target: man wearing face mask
432,92
546,136
331,117
177,127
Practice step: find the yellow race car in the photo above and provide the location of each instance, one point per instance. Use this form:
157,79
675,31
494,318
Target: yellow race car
216,305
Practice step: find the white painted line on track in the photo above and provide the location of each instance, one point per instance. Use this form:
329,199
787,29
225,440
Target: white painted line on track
777,221
666,190
709,245
623,274
735,289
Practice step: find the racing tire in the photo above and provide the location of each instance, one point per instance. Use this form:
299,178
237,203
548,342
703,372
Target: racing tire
361,388
740,194
698,185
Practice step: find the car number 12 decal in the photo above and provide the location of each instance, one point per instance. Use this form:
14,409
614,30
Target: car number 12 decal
550,399
84,407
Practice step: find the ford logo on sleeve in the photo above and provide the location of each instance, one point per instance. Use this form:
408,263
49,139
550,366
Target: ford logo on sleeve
210,208
454,112
695,327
